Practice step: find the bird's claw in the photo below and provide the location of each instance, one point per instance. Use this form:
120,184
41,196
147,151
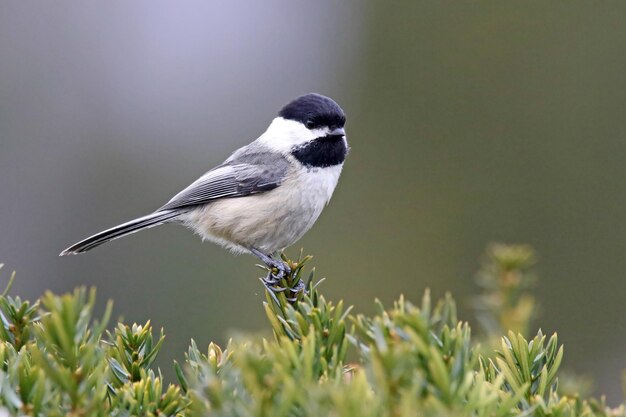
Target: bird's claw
270,290
282,269
299,288
273,284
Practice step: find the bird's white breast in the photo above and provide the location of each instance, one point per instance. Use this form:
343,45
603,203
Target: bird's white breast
269,221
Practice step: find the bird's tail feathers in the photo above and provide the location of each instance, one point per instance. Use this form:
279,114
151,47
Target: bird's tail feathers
121,230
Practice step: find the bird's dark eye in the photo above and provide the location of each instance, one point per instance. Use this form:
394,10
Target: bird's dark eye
310,124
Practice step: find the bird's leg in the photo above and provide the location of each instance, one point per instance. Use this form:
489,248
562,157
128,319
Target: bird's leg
282,267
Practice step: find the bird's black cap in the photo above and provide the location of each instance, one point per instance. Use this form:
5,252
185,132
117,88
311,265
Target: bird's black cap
314,110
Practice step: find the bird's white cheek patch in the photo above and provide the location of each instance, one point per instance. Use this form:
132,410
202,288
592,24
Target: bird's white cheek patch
283,135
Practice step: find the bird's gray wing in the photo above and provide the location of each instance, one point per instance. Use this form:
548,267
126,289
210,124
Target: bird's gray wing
249,174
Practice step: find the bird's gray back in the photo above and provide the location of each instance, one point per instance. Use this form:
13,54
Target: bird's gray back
250,170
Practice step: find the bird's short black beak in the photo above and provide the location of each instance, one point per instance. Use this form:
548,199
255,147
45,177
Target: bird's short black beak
337,132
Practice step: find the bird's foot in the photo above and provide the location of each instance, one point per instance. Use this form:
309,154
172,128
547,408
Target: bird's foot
271,279
282,269
283,277
299,288
275,286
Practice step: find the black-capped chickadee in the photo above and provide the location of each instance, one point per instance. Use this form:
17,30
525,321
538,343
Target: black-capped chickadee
267,194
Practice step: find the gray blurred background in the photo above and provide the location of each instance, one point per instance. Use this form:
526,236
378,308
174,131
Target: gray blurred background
468,122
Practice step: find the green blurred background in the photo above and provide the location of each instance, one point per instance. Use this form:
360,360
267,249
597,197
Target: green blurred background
468,122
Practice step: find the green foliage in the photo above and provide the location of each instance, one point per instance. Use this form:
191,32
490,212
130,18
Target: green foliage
409,360
505,277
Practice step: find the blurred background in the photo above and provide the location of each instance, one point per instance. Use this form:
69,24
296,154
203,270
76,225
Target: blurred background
468,122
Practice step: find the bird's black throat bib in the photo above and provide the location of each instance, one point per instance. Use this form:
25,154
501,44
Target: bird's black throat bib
322,152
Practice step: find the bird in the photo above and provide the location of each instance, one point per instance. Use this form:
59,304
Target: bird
266,195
